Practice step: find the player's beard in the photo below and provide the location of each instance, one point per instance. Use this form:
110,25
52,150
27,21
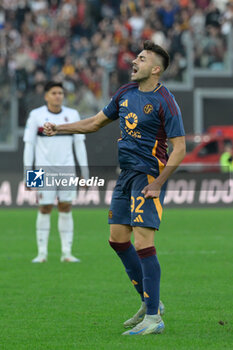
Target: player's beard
140,79
142,76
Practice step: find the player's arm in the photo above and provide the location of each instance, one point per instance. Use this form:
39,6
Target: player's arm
81,155
81,127
29,139
28,154
28,158
177,155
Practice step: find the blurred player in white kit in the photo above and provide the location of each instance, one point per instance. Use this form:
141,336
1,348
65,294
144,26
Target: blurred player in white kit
43,151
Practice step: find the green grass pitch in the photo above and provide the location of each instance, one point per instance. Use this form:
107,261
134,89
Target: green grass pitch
57,306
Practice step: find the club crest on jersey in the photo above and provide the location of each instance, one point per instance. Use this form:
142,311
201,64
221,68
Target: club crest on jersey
148,108
66,119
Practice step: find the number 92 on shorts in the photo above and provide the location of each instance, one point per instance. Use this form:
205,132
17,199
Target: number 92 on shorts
128,205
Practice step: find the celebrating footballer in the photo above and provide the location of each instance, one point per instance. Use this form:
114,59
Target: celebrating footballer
149,116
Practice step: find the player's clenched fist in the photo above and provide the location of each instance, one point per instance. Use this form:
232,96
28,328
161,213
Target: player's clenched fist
50,129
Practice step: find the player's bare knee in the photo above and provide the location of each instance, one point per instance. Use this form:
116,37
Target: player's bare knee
139,244
64,207
143,237
143,244
120,233
46,209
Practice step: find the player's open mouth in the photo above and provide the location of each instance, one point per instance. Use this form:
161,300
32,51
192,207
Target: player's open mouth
134,70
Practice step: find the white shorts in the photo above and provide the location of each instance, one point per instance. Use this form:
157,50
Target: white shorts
49,197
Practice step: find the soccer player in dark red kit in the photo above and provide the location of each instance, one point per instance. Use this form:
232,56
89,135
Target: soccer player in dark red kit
149,115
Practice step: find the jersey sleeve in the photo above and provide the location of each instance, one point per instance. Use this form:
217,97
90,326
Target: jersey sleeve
173,122
111,110
30,132
78,137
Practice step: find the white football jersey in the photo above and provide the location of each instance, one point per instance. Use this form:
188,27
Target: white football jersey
55,150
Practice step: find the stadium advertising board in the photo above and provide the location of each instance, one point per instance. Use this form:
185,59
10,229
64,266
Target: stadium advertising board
183,189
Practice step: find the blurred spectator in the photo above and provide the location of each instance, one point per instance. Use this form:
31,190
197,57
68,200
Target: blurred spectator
159,36
38,5
137,23
176,44
211,49
212,15
197,23
124,62
227,19
167,14
127,7
226,159
21,11
202,4
5,101
82,41
33,99
2,17
68,67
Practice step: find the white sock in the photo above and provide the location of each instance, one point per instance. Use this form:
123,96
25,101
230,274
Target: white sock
65,227
42,232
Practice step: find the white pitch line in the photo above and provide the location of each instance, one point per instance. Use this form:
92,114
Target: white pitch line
188,252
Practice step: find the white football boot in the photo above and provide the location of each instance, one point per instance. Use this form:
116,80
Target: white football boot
69,258
138,317
41,258
161,308
152,324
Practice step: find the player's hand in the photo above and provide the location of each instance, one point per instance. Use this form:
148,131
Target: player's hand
50,129
152,190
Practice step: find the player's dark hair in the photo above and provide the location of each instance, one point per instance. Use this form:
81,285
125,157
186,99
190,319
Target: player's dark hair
50,84
158,50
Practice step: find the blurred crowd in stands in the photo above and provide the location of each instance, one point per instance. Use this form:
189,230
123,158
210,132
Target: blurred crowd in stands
80,41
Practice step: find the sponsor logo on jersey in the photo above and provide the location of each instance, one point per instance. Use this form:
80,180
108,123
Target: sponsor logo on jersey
124,104
66,119
131,120
35,178
148,108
